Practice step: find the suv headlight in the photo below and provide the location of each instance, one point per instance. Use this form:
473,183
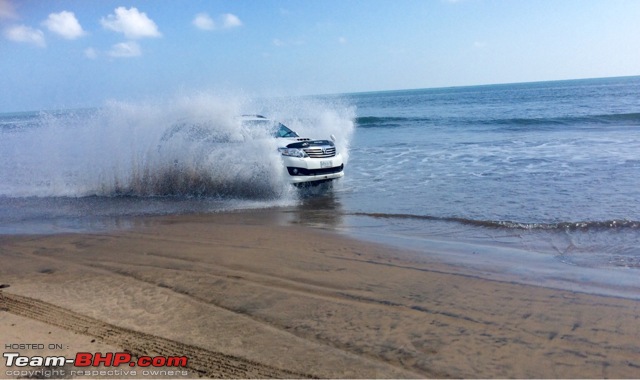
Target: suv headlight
293,152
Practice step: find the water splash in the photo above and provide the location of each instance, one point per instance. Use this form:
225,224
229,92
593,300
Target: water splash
190,145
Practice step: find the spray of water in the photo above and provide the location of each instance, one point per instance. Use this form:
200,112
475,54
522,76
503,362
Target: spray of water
190,145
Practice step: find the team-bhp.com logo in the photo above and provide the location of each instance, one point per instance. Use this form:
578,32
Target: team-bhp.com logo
86,360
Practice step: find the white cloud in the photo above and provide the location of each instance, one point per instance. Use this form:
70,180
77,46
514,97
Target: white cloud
225,21
125,50
342,40
64,24
22,33
131,22
230,21
6,10
203,21
91,53
278,42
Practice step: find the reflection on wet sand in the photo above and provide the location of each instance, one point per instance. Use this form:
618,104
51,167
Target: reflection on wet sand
319,210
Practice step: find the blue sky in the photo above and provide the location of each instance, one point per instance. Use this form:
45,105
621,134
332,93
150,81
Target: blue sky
58,54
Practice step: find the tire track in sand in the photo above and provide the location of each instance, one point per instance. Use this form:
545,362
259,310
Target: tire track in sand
205,362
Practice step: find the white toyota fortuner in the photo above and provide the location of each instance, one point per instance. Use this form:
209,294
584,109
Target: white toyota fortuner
306,161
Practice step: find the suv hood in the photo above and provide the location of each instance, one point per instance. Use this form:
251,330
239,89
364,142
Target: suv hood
306,143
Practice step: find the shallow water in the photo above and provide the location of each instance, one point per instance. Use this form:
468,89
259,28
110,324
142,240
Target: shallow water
546,171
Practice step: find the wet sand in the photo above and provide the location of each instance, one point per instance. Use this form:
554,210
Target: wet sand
245,297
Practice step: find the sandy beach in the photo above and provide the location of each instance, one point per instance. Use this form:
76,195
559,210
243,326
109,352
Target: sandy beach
244,297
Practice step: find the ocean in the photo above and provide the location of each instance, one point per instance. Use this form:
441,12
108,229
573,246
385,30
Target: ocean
509,177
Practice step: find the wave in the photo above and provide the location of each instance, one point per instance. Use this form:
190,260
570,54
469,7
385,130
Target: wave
626,119
613,224
516,123
386,122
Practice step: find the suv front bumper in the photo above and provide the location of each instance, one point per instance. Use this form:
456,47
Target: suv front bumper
301,170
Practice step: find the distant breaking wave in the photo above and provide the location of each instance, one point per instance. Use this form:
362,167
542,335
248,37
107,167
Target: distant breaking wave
626,119
385,122
561,226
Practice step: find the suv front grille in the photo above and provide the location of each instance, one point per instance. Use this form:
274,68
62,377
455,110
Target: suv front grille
320,152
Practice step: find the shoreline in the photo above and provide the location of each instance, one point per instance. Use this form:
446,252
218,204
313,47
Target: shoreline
297,301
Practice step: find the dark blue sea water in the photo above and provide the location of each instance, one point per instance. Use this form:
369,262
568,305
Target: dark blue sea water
536,170
550,166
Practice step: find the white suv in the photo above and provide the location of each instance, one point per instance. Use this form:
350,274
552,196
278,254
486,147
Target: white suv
306,161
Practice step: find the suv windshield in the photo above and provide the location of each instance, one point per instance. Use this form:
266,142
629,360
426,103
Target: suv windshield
276,129
285,132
